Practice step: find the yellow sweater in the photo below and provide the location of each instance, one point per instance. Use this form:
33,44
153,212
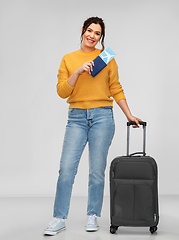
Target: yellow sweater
88,92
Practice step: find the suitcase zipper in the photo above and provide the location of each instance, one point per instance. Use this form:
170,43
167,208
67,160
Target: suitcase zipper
155,217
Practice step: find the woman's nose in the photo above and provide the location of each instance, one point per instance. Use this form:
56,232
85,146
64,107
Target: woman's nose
92,35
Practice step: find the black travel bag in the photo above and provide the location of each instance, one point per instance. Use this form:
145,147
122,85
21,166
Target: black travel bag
134,189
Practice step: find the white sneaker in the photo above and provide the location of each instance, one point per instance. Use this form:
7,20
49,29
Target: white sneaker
54,227
92,225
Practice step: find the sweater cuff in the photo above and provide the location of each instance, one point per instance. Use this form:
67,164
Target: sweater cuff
119,96
67,88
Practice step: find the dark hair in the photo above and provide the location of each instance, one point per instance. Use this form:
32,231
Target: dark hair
95,20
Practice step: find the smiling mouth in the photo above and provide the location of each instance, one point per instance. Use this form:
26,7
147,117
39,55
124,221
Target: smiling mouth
91,41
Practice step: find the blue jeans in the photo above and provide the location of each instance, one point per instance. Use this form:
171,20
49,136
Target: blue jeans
95,126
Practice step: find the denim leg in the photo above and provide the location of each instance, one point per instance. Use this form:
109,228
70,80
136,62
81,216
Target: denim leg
100,136
74,143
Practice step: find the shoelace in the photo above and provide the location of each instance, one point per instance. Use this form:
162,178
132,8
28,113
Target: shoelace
54,223
91,219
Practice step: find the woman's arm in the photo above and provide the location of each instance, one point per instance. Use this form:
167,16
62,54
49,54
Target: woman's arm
125,108
65,83
86,67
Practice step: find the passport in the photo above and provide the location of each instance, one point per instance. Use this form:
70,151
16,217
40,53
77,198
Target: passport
101,61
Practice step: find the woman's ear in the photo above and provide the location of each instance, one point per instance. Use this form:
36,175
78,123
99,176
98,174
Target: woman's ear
100,39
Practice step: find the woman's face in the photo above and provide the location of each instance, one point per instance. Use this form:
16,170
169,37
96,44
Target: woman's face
92,36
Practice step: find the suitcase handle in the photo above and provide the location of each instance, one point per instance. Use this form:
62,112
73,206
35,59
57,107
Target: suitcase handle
132,154
144,124
134,123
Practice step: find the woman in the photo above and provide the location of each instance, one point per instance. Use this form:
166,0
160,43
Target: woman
90,119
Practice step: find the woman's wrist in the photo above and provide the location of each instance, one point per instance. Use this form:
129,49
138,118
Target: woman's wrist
125,108
77,73
73,78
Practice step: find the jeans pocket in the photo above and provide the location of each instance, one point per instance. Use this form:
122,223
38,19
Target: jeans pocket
70,110
107,111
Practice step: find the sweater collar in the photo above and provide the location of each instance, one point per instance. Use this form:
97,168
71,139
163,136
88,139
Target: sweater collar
96,51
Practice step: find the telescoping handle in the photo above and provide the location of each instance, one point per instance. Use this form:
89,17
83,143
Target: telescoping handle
144,124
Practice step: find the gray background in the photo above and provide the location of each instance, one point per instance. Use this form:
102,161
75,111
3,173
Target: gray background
34,36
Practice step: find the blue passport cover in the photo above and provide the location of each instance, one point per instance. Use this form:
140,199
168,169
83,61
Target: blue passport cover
99,64
102,60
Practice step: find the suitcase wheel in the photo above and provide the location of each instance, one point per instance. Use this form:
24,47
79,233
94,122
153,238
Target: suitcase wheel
153,229
113,229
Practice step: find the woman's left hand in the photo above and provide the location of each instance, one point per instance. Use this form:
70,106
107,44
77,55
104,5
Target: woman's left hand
134,119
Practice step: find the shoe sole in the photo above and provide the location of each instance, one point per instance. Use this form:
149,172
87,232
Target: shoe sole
50,233
91,229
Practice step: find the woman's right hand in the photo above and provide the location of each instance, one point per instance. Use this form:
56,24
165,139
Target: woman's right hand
86,67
